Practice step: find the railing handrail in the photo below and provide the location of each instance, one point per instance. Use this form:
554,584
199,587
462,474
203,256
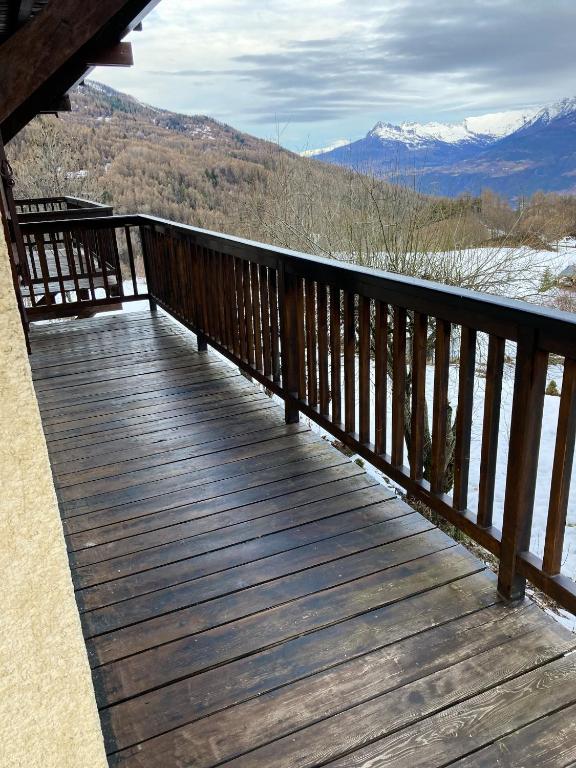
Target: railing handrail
75,202
483,311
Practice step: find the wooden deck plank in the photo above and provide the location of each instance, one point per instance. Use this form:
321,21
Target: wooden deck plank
261,720
113,546
251,596
225,643
293,543
398,710
175,705
549,742
475,722
362,555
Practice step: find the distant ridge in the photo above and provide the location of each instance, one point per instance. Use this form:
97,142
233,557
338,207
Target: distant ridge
515,153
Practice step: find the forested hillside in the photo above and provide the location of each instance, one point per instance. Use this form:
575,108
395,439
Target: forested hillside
115,149
195,170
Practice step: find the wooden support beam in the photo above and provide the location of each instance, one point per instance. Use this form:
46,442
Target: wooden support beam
63,104
118,56
47,56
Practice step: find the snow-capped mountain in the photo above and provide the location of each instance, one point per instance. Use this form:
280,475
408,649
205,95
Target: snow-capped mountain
515,152
480,130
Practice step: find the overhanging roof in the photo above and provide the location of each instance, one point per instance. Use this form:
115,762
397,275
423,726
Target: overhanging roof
47,46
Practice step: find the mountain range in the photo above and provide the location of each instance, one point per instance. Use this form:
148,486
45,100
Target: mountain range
513,153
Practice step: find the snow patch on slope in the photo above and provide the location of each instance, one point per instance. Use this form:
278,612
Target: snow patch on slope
335,145
499,124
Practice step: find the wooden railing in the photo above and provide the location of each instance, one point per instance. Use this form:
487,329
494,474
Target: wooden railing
73,267
389,366
52,208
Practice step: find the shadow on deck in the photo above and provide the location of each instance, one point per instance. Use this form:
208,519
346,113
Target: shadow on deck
250,596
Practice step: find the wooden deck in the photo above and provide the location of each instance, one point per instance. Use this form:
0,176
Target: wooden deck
251,597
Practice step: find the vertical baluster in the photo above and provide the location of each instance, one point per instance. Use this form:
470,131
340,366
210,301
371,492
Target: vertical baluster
101,240
523,451
117,266
265,309
274,322
288,306
440,411
490,429
241,312
323,347
349,363
44,267
311,343
398,386
57,264
248,311
335,356
213,304
300,339
561,472
32,269
207,283
417,425
380,376
364,369
194,299
204,291
201,297
224,288
464,417
236,318
230,304
256,313
130,249
149,257
220,288
215,286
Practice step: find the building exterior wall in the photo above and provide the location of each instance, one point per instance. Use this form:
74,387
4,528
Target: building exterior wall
48,714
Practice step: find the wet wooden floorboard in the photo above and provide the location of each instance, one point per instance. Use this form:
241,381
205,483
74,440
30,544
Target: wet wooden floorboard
251,597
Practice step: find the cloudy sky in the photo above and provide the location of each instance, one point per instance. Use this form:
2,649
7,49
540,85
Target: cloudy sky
312,71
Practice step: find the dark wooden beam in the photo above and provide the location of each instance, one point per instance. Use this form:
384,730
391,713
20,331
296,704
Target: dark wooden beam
63,104
118,56
50,54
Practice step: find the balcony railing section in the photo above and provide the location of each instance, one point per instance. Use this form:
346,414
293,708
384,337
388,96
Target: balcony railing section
72,267
386,364
47,208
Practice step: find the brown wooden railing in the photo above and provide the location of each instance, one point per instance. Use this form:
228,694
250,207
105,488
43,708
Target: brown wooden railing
52,208
351,348
73,267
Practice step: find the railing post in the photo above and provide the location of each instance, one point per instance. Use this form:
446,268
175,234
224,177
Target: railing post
287,300
523,451
147,272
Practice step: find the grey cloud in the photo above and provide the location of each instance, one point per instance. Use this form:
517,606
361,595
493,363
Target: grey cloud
499,46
